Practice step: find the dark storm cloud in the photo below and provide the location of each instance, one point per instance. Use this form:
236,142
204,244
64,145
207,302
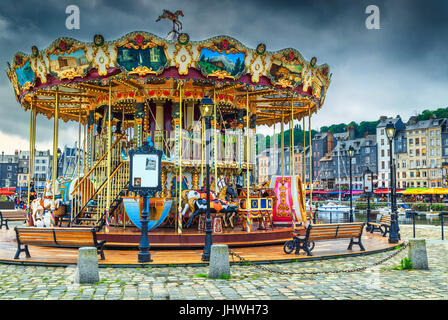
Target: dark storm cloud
395,70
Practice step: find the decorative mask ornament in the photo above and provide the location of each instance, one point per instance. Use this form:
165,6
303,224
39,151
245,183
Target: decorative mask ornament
98,40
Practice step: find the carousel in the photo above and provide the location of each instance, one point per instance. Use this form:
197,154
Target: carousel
142,88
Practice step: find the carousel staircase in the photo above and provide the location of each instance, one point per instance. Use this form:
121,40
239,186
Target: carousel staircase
89,204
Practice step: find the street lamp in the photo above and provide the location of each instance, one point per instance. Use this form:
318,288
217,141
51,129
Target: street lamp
394,235
206,108
368,189
351,154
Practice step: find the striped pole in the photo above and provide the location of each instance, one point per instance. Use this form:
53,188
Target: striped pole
179,209
109,157
248,218
55,156
311,158
31,157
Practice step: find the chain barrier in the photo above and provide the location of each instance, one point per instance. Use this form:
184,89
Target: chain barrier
244,261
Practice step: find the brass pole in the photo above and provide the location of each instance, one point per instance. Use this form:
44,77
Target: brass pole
179,205
311,158
79,143
292,139
84,150
215,142
202,152
248,218
304,155
31,157
55,156
109,158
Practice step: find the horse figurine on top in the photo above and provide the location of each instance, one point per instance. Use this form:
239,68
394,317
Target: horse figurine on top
174,17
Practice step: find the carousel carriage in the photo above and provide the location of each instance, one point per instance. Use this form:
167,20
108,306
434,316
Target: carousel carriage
140,86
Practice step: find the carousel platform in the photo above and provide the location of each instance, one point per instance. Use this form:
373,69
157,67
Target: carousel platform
127,257
190,238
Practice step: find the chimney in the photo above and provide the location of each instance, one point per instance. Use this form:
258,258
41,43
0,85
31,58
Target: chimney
330,142
351,132
382,118
366,134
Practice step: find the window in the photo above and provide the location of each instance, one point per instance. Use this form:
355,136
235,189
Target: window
411,163
423,152
382,131
417,163
403,164
382,153
411,142
367,150
411,174
417,152
438,152
417,141
431,142
432,152
382,142
382,166
437,142
403,174
423,141
411,152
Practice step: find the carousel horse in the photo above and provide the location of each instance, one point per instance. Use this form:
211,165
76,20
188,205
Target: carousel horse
41,206
223,208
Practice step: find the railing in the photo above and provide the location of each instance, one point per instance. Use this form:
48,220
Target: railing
231,146
117,182
88,185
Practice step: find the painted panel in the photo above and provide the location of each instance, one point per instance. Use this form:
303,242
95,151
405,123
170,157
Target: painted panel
221,65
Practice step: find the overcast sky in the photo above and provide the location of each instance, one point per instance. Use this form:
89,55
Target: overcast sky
399,69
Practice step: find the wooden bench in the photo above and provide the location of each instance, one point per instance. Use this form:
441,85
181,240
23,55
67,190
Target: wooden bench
384,223
57,237
11,216
316,232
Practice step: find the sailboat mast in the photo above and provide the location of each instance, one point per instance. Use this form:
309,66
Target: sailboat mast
339,174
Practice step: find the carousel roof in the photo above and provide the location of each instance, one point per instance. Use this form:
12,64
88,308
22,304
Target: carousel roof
141,66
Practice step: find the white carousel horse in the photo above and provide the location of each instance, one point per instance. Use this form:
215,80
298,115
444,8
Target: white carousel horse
41,206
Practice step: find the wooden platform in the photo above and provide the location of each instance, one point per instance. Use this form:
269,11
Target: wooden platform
128,257
191,238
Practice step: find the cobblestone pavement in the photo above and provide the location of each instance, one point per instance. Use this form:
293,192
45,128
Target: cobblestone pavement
190,283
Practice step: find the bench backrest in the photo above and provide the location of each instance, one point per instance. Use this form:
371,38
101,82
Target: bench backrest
334,231
9,215
385,218
68,237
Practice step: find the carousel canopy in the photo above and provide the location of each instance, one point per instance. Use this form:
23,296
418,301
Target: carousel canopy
81,76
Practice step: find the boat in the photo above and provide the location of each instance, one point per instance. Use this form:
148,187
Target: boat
307,206
432,214
333,207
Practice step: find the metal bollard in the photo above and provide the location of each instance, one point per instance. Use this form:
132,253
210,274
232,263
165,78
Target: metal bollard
413,222
441,223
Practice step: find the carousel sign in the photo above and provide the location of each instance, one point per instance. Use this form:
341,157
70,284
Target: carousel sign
145,166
